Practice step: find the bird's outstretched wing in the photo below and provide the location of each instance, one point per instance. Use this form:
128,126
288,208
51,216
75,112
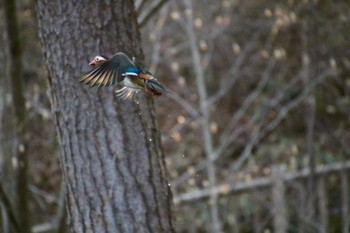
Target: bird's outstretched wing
110,72
126,92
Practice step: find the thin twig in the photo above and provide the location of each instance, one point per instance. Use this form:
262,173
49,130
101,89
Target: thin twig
282,113
9,209
61,211
139,4
150,11
225,139
227,84
231,135
158,36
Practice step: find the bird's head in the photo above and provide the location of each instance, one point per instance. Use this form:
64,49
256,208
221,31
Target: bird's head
145,74
98,60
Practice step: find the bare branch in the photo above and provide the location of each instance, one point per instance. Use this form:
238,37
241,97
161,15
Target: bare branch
282,113
231,135
139,4
5,201
259,183
158,35
58,225
258,132
192,111
61,211
227,140
227,84
150,11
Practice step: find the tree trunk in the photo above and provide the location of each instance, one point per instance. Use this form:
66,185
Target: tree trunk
20,122
111,158
278,198
322,204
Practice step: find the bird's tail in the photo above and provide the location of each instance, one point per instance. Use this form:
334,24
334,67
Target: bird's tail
155,87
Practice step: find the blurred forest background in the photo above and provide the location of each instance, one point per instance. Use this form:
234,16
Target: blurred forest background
256,134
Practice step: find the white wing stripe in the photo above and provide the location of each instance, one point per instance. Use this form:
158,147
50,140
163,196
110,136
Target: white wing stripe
129,73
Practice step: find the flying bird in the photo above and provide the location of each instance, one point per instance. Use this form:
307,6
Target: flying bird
120,69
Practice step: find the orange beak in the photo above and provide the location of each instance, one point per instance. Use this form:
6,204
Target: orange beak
92,63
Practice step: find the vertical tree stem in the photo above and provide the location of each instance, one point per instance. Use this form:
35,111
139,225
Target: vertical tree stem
322,204
206,134
345,201
16,76
278,190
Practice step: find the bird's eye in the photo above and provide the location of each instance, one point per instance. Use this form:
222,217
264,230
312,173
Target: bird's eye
97,58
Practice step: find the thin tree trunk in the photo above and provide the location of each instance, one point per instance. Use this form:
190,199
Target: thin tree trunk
111,158
322,204
311,181
278,190
345,201
18,102
205,131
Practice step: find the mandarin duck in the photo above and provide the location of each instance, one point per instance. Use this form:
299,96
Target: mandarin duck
120,69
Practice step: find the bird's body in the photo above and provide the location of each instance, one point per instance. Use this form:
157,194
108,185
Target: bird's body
120,69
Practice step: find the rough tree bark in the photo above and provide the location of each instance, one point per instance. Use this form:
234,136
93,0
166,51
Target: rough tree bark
111,159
